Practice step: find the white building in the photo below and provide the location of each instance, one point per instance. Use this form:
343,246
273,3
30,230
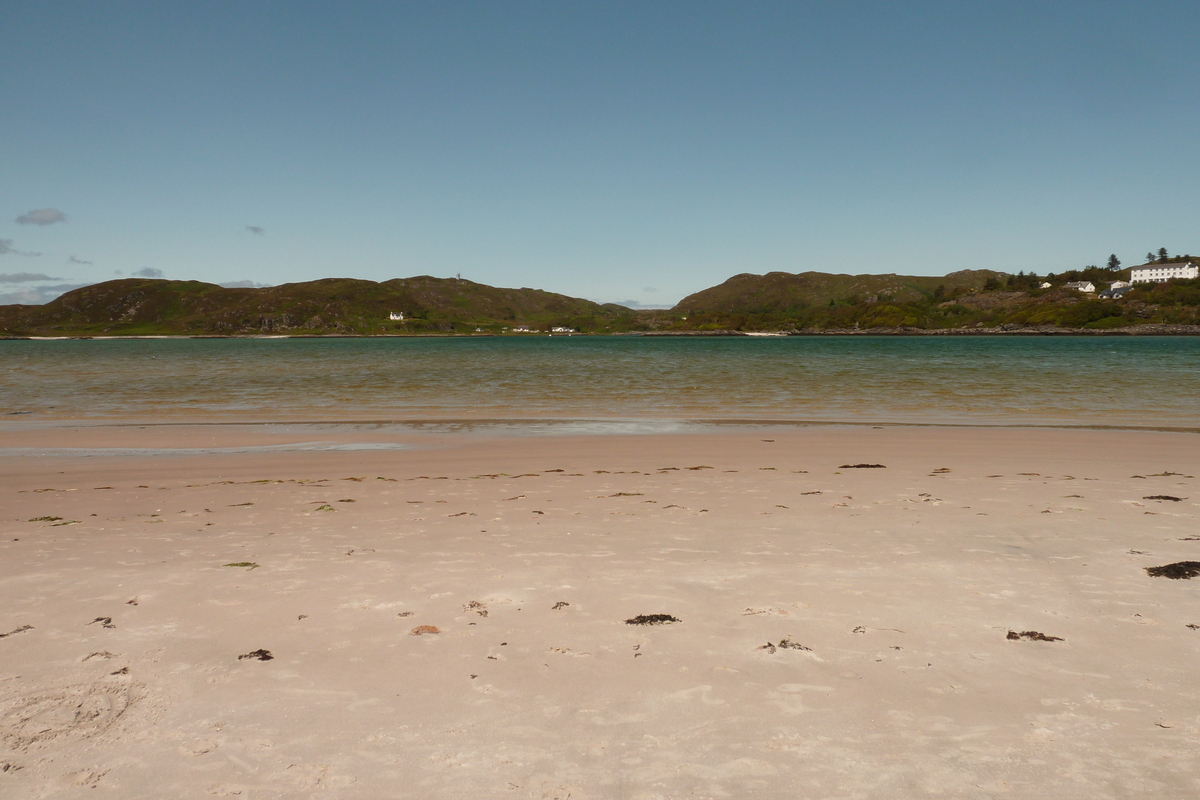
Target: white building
396,315
1119,285
1082,286
1157,273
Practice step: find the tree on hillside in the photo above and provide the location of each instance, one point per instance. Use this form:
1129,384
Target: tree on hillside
1023,280
1162,254
1114,263
1149,257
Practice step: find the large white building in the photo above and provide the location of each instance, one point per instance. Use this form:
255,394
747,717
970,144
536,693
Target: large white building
1157,273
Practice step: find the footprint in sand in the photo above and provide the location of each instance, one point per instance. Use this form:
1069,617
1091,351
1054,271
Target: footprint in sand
66,713
566,651
86,777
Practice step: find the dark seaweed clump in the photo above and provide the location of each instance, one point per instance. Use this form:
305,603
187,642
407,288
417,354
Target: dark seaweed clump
1033,636
1163,497
784,644
261,655
21,629
1180,570
862,466
651,619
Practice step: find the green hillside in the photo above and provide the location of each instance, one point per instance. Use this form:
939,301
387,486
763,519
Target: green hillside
782,293
976,299
329,306
808,302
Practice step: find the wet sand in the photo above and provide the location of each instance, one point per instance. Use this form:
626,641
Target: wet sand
448,619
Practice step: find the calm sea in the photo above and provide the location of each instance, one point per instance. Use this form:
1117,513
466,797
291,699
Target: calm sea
1110,381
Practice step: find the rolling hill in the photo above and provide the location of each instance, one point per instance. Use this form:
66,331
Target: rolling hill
328,306
783,293
809,302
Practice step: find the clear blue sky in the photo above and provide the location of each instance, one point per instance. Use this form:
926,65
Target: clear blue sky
618,151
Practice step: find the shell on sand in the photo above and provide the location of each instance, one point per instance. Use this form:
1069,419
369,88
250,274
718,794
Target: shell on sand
420,629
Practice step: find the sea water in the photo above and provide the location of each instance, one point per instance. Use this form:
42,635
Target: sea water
640,383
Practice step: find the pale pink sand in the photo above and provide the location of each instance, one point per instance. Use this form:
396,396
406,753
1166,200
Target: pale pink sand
901,582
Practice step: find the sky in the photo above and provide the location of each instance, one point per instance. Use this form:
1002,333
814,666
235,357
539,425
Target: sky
630,152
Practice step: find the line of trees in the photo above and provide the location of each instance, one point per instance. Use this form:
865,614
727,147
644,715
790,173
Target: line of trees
1162,257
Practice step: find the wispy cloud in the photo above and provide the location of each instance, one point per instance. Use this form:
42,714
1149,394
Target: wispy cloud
244,285
74,260
42,216
38,295
257,231
26,277
147,272
6,248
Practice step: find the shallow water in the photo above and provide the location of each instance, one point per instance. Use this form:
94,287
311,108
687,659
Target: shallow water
1109,381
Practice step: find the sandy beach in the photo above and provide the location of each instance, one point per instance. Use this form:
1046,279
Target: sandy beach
455,617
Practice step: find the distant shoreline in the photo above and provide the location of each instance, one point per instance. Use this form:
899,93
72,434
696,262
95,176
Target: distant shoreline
1150,329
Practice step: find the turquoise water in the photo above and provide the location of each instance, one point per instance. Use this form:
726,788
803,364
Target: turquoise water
1119,381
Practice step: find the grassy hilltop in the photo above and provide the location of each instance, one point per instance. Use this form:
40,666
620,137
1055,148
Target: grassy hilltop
777,301
782,294
967,299
330,306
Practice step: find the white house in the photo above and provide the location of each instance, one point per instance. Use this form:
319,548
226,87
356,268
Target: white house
396,315
1119,285
1042,285
562,330
1158,273
1082,286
